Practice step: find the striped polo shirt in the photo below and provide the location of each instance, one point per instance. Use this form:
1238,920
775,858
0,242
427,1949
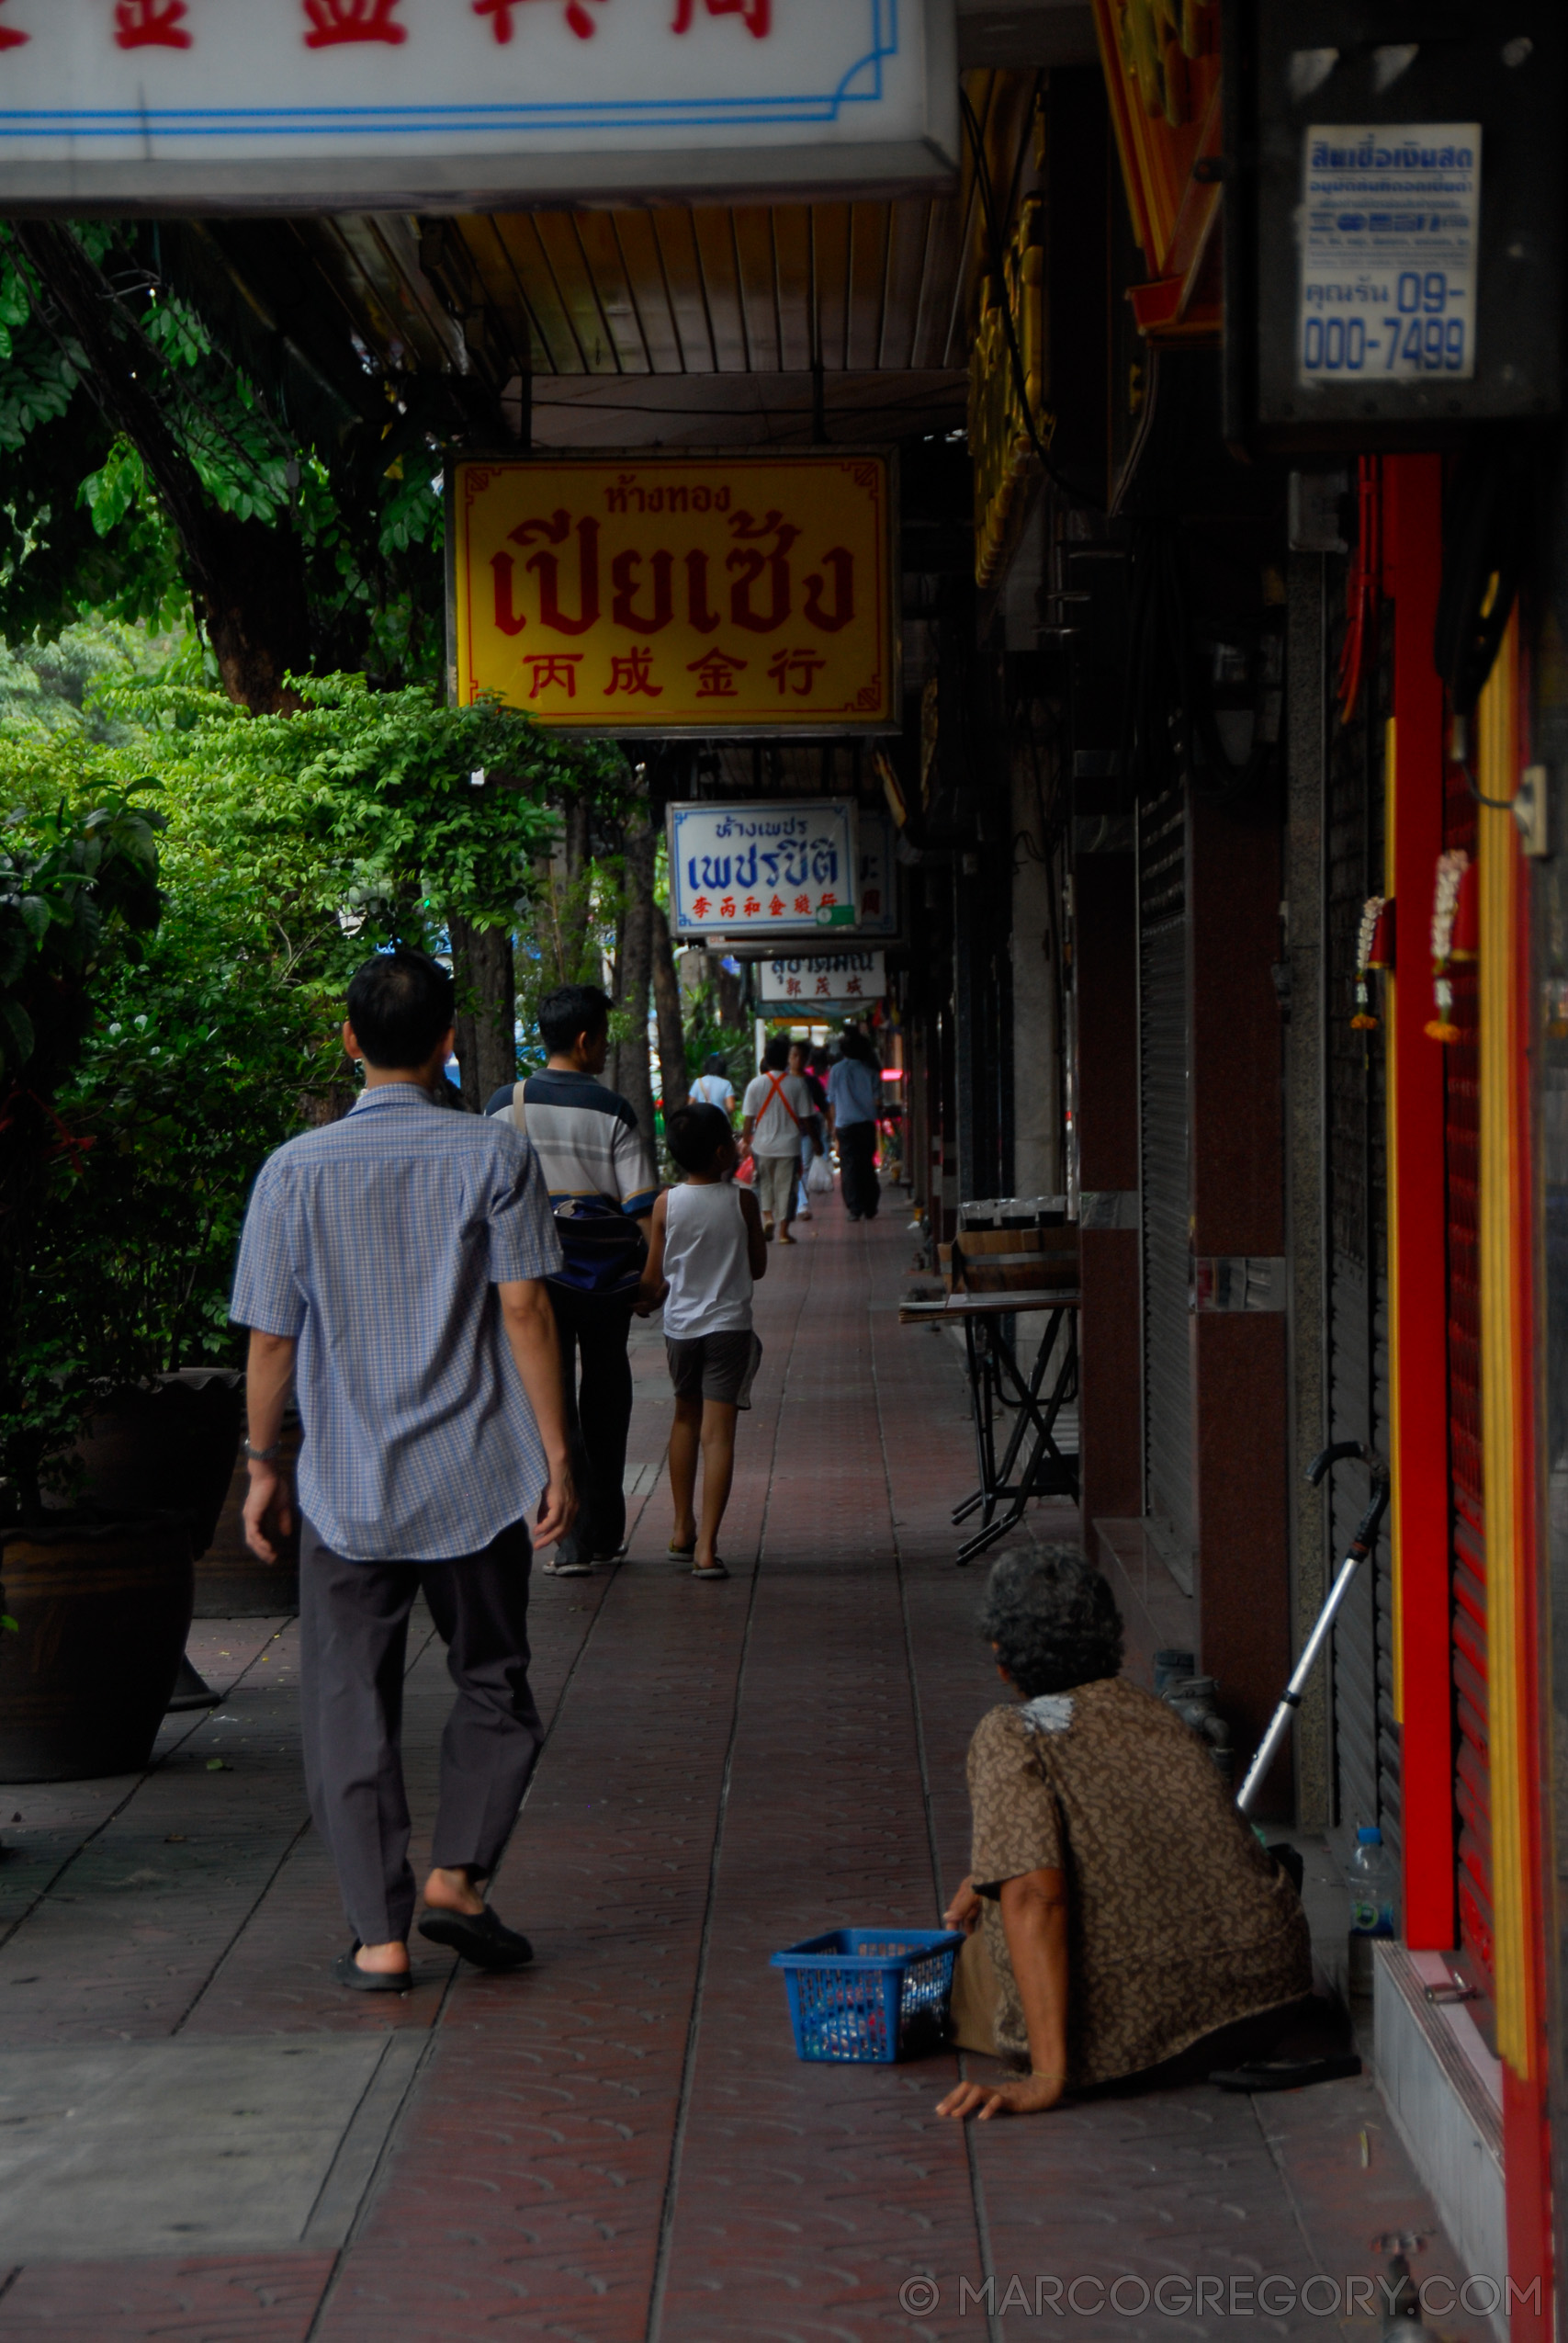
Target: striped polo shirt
598,1168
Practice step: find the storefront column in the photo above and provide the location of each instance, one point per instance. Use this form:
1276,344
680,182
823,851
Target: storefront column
1110,1409
1239,1270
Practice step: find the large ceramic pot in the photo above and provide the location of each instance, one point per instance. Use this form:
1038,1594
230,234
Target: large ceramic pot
168,1443
103,1608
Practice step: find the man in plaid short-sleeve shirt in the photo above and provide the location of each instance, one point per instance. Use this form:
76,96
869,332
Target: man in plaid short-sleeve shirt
392,1268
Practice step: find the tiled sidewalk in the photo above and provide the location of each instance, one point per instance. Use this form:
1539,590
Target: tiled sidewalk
620,2145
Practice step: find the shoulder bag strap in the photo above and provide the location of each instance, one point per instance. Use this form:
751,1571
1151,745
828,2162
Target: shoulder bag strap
776,1090
519,1118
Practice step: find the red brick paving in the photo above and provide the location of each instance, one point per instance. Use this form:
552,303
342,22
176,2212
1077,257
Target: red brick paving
621,2145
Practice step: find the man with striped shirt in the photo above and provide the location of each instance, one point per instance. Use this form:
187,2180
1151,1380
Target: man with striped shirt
599,1169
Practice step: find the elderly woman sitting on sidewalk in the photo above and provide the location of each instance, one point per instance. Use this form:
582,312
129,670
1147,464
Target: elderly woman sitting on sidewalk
1119,1910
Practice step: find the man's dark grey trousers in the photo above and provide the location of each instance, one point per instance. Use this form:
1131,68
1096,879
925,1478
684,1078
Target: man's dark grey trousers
353,1624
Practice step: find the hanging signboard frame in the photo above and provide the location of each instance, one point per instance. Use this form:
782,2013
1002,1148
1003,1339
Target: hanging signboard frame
878,902
678,596
762,868
199,106
828,981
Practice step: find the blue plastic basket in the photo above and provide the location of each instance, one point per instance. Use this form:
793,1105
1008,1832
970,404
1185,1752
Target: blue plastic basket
869,1994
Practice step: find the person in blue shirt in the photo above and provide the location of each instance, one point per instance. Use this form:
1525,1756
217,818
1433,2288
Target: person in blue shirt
393,1270
855,1101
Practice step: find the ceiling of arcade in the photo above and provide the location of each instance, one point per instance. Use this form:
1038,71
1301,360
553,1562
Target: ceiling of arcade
676,325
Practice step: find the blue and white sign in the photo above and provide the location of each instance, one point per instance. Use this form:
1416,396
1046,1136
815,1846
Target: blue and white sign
762,868
345,103
1390,223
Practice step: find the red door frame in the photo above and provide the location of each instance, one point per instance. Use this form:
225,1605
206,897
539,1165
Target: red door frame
1412,510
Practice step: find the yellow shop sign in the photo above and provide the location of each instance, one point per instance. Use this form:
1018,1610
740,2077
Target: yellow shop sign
745,594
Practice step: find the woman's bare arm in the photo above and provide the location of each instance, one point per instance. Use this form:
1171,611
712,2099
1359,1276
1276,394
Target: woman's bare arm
1035,1920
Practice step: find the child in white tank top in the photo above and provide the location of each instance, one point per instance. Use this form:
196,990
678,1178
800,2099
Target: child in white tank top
705,1252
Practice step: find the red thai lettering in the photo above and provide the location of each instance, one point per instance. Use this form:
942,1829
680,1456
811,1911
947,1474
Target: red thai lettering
547,565
510,620
335,21
9,38
750,566
757,15
623,577
842,564
151,24
698,615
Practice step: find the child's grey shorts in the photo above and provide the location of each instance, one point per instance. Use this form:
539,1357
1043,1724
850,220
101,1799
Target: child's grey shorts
715,1366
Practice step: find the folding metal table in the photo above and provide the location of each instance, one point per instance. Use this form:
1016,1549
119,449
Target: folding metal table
997,1383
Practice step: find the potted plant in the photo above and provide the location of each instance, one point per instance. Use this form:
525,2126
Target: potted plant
100,1603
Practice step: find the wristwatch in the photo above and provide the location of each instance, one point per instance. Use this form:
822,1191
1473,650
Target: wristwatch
265,1455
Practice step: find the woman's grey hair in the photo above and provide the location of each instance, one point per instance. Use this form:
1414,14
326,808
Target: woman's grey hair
1053,1619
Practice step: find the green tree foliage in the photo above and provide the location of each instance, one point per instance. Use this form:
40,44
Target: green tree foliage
291,847
78,890
84,528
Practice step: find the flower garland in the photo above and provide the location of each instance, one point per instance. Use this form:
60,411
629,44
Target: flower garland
1452,868
1372,912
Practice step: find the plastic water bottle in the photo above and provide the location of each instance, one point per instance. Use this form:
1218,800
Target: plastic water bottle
1369,1877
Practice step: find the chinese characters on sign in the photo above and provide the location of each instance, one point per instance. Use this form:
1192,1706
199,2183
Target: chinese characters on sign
164,23
749,593
836,977
761,868
348,105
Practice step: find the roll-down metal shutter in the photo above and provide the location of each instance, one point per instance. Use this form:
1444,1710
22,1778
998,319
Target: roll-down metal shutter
1166,1185
1366,1738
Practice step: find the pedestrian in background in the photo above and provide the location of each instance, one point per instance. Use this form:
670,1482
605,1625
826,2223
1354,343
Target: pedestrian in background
854,1100
776,1108
713,1086
813,1137
706,1252
393,1270
599,1169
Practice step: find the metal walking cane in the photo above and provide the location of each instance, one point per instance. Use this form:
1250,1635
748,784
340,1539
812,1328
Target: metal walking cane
1362,1544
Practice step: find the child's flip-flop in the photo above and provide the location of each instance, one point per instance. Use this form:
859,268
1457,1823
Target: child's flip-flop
682,1553
716,1570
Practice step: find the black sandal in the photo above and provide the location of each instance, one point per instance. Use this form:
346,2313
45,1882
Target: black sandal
347,1970
480,1937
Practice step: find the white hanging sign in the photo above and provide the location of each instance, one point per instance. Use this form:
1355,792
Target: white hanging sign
343,103
829,977
1390,224
761,867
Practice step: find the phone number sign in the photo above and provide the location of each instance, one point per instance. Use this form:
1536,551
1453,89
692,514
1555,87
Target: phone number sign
673,595
1389,223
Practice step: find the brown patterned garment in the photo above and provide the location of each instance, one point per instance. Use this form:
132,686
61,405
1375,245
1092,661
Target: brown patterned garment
1178,1921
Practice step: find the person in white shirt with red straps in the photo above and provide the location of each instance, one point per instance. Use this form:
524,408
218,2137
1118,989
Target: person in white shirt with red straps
777,1108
